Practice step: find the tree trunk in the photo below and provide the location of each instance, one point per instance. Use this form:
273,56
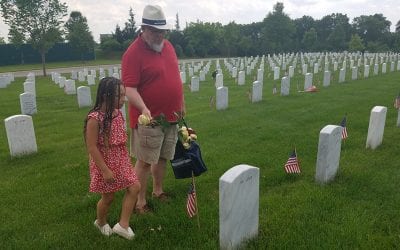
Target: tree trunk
22,57
43,54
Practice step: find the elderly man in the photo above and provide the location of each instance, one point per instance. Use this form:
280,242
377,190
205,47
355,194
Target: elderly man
153,87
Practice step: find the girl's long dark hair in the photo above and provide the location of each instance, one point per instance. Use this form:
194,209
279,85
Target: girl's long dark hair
109,88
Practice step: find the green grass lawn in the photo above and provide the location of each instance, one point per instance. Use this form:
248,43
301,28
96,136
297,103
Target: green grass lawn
45,201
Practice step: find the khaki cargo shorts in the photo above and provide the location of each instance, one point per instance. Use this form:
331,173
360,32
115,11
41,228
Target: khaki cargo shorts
149,144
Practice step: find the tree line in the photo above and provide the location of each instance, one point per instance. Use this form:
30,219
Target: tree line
39,22
276,33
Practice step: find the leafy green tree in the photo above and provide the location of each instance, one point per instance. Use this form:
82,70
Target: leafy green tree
373,28
202,38
333,31
17,39
278,31
129,33
37,20
2,40
179,50
118,35
244,46
302,25
229,39
78,34
356,43
310,40
177,26
398,26
110,45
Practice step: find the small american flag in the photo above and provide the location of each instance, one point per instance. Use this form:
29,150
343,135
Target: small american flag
191,201
397,102
344,130
292,165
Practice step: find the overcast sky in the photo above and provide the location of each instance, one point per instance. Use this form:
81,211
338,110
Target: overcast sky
104,15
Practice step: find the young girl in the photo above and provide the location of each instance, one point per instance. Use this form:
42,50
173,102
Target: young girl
109,162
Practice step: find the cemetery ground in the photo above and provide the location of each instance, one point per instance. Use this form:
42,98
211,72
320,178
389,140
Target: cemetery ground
45,201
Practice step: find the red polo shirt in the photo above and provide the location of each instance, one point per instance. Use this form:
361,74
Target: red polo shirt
156,77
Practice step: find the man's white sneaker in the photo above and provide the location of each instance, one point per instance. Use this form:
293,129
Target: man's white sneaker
105,229
125,233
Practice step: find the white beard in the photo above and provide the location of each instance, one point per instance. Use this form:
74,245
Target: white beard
157,47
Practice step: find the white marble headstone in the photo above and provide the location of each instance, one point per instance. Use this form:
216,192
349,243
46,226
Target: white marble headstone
102,73
3,82
61,81
308,81
29,86
202,75
28,103
20,135
291,71
222,98
327,78
328,157
90,80
260,75
256,95
219,80
376,69
183,76
81,76
194,84
241,78
383,68
376,127
93,73
276,73
354,72
74,75
342,75
238,205
69,87
304,68
285,86
366,71
115,75
84,97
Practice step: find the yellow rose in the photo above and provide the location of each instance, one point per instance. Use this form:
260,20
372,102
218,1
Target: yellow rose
186,145
185,135
193,137
144,120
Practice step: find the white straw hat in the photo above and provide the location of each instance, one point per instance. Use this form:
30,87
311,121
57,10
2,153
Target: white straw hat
154,16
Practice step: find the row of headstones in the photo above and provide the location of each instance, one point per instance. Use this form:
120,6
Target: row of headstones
239,186
83,92
256,94
83,75
6,79
192,70
285,83
334,57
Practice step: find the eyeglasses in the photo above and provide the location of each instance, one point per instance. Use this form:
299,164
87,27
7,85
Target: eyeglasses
157,31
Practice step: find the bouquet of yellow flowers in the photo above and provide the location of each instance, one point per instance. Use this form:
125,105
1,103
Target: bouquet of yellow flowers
187,160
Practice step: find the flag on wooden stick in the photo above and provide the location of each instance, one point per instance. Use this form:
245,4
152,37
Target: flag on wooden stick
191,201
344,130
292,164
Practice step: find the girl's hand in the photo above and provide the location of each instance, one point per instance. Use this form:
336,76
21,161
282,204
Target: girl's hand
108,176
